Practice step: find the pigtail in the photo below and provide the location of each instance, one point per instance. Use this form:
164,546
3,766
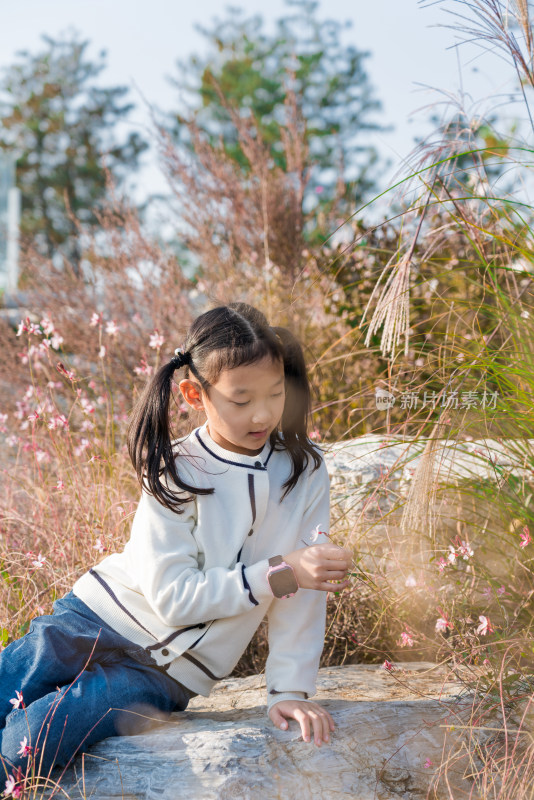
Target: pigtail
149,440
297,408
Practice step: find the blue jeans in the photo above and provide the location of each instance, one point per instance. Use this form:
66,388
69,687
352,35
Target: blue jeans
81,682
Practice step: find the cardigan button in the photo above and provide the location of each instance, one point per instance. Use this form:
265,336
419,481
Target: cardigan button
258,464
164,652
250,532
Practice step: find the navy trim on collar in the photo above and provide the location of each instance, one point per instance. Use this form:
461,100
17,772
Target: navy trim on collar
235,463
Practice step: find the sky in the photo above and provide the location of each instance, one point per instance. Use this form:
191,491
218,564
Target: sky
413,63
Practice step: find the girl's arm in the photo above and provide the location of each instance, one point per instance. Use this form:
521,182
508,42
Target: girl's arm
163,557
297,624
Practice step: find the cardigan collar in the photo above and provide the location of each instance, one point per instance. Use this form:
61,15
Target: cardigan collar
258,461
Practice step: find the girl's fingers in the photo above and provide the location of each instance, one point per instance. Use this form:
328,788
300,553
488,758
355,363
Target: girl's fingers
304,725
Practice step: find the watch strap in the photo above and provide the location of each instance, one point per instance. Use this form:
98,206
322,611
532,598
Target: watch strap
274,561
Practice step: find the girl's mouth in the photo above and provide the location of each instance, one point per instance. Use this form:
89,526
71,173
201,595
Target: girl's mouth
258,434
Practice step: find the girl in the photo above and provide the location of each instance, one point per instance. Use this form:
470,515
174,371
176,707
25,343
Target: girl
217,542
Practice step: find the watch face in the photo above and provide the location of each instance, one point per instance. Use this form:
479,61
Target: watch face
283,582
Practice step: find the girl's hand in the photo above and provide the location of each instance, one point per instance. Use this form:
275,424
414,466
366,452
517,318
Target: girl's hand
307,714
316,565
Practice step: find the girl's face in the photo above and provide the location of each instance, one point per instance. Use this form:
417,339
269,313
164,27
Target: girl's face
244,405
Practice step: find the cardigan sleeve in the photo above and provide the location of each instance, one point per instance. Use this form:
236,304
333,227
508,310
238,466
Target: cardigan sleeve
296,625
163,558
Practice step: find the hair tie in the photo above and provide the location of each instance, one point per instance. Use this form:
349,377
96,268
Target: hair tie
180,358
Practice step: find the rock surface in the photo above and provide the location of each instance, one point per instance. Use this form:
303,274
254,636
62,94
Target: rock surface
225,746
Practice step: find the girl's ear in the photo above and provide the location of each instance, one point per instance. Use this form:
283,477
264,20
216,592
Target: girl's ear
191,394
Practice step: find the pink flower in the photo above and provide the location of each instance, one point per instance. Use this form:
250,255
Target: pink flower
442,624
3,420
102,352
25,749
410,581
47,326
95,320
428,763
56,341
315,434
144,369
11,788
67,373
112,328
156,340
313,536
388,666
22,326
525,537
442,564
484,627
17,701
99,545
39,561
60,485
405,639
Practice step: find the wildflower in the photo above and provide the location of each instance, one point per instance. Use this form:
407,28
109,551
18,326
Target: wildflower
87,406
3,420
525,537
484,627
64,371
388,666
47,326
410,581
12,441
315,434
25,749
442,564
39,561
56,341
40,610
465,550
87,425
41,455
95,320
442,624
60,485
487,592
428,763
22,327
112,328
84,444
156,340
315,533
451,558
144,369
501,590
12,788
99,545
34,416
405,639
17,701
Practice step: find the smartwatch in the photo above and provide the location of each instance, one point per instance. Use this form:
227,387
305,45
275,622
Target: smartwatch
281,578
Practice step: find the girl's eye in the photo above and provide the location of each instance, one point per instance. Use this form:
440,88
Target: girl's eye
248,401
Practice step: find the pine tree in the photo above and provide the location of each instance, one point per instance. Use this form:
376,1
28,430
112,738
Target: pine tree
61,126
253,70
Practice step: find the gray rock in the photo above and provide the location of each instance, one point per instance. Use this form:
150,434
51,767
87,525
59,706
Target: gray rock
225,746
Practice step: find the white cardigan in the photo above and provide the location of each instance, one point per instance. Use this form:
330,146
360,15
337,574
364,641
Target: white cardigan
192,588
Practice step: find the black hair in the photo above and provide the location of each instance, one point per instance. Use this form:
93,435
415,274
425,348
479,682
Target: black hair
222,338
